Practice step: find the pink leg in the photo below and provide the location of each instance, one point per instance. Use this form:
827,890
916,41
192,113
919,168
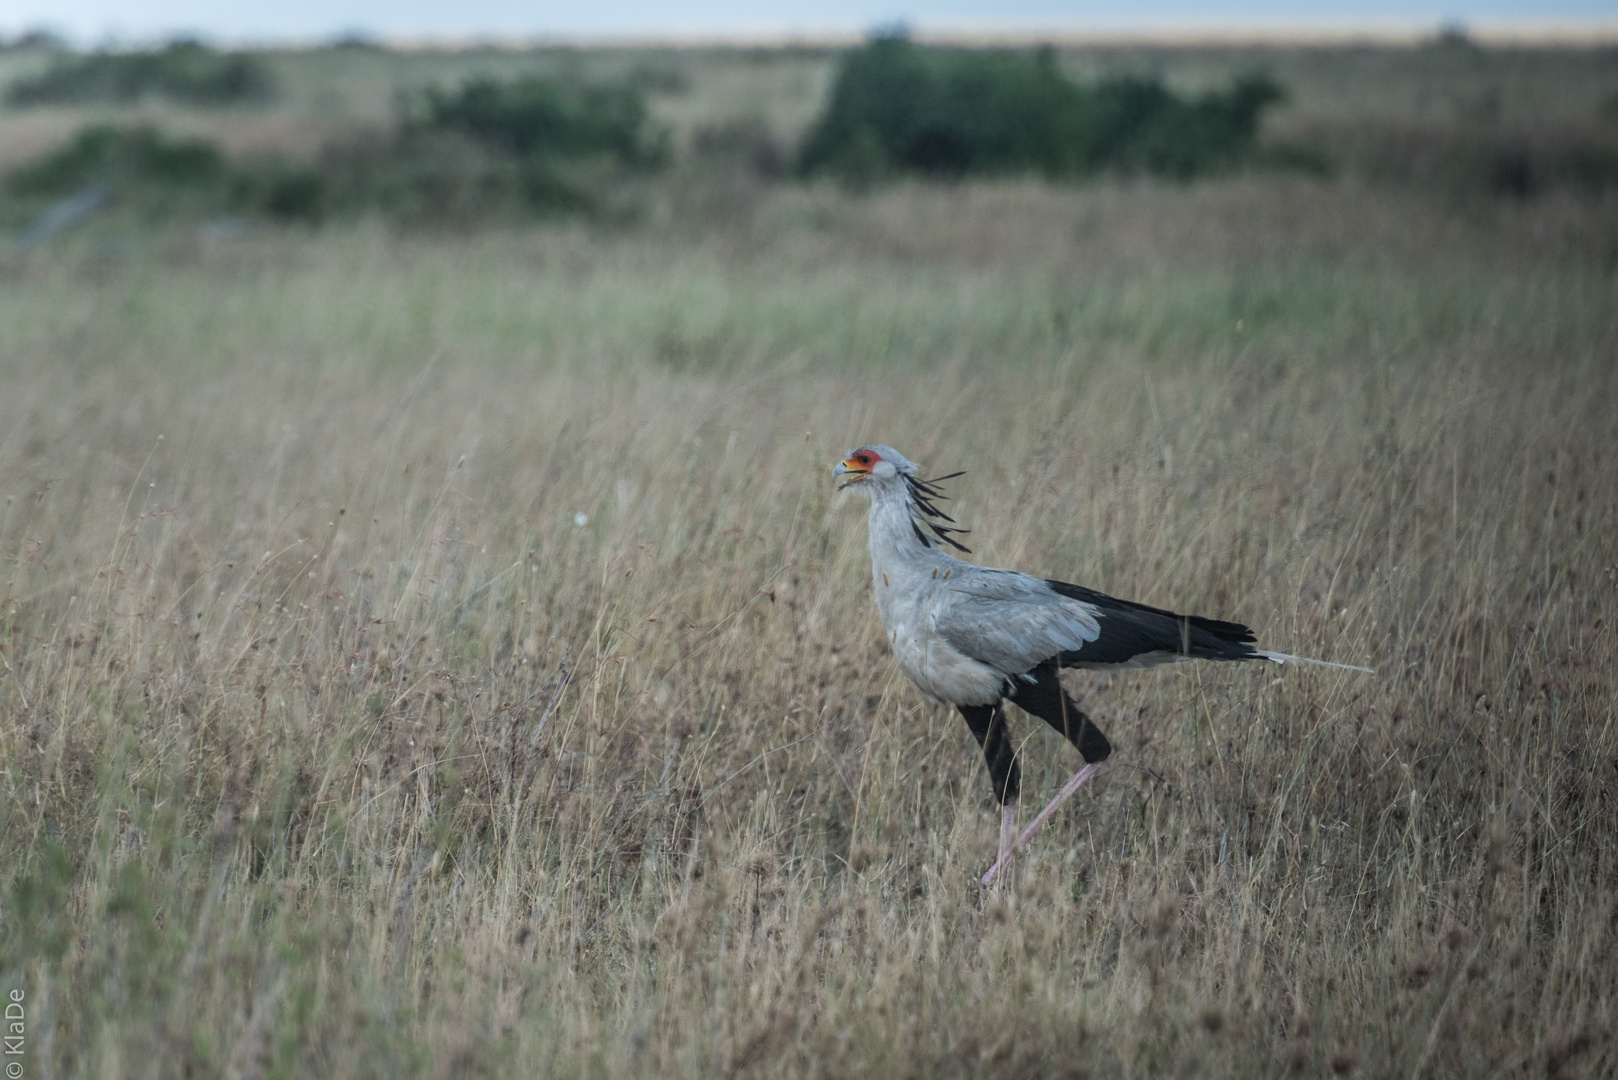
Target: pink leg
1008,841
1009,853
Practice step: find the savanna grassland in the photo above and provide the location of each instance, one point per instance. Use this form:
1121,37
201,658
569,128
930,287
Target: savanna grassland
444,653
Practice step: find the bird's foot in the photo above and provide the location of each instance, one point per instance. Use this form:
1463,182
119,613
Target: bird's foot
1007,853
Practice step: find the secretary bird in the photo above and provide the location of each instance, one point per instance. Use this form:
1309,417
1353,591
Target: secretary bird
971,636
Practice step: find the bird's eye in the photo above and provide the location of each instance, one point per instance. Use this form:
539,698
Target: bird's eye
863,459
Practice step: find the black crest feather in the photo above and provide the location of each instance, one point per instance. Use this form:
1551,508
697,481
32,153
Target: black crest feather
924,494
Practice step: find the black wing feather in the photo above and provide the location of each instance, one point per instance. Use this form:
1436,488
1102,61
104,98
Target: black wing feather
1129,630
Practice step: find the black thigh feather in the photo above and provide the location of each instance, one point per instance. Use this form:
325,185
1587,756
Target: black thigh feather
1045,698
988,723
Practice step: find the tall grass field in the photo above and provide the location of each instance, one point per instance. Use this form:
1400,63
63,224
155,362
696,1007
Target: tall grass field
446,654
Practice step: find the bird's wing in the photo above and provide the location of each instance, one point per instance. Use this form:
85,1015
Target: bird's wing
1138,635
1010,621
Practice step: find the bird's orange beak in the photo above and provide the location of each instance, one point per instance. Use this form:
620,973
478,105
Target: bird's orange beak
850,472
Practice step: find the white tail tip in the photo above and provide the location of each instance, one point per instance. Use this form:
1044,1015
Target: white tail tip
1288,658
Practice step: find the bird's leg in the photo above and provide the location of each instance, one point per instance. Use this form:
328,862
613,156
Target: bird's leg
1008,829
988,724
1008,842
1007,854
1062,796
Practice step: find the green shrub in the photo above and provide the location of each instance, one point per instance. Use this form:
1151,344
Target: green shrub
487,151
490,149
280,191
951,112
1141,125
543,118
947,113
423,176
122,158
185,71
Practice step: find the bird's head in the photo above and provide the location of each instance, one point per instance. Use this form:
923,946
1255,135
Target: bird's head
873,466
888,477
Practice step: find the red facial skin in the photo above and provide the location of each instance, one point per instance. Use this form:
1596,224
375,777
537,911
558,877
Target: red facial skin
861,461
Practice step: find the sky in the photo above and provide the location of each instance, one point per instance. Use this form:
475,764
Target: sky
87,22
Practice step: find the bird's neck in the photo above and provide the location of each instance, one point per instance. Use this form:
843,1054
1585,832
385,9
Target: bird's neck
897,536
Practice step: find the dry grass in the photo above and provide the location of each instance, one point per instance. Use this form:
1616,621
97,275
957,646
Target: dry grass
332,746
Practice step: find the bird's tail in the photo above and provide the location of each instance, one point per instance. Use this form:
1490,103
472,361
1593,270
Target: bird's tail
1288,658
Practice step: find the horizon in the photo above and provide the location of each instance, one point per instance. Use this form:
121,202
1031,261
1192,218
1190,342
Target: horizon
499,23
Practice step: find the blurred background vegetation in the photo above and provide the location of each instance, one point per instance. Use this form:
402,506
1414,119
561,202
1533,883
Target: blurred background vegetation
454,137
184,71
